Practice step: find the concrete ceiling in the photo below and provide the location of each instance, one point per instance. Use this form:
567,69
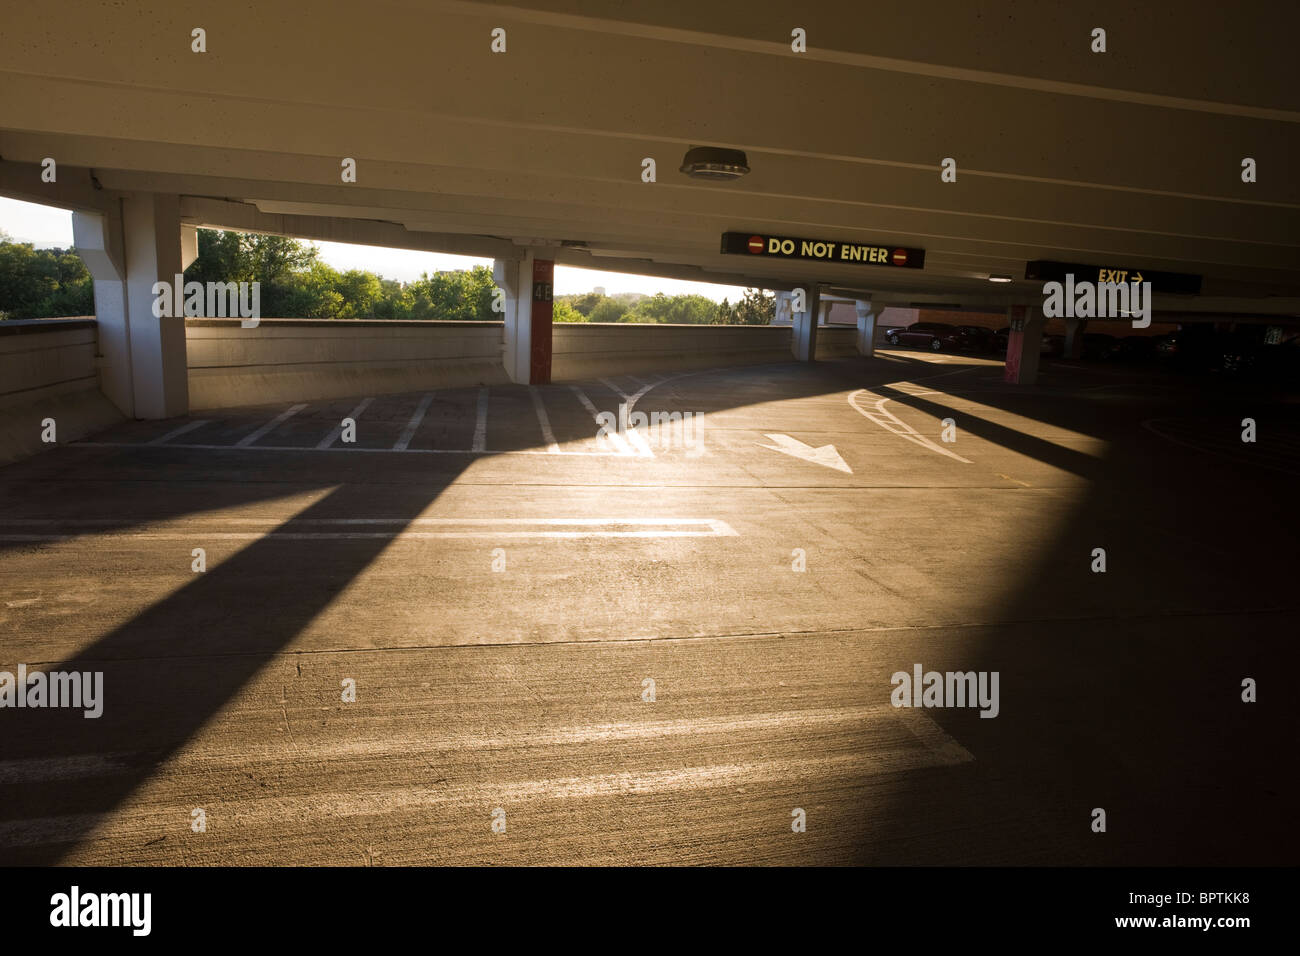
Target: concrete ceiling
1129,158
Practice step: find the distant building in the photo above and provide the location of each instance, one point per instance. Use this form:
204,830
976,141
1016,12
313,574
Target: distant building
599,290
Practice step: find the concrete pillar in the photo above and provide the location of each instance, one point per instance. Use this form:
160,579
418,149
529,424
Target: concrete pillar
804,344
528,286
127,249
1074,329
98,240
866,328
782,313
189,245
1024,344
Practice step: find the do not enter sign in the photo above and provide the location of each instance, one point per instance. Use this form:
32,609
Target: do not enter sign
821,250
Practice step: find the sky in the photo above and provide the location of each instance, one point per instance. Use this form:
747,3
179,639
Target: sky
45,226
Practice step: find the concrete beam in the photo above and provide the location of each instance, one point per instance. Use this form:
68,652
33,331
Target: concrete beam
74,188
245,217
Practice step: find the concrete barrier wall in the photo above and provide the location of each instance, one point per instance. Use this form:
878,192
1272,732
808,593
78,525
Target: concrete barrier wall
48,370
591,350
836,342
306,359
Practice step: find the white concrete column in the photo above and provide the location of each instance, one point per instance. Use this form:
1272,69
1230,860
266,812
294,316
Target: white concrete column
1024,344
782,313
527,284
804,344
515,278
1074,329
98,240
128,249
866,328
189,245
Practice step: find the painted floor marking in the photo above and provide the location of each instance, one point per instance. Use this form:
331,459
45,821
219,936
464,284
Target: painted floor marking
177,432
274,423
1241,457
333,436
893,424
615,439
409,431
480,422
552,447
825,455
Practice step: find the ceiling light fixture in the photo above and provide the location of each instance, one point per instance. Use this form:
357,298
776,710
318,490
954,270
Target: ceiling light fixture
714,162
999,278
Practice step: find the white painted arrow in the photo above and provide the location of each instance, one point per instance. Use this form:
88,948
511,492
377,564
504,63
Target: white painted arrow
825,455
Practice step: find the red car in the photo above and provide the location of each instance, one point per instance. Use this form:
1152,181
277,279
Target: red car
934,336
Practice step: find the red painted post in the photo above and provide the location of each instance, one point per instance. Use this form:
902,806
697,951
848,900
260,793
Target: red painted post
543,291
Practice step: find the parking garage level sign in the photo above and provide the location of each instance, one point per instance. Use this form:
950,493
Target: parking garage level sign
821,250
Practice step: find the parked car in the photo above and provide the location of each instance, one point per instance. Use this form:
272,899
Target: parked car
935,336
977,338
1137,348
1246,353
1167,345
1099,347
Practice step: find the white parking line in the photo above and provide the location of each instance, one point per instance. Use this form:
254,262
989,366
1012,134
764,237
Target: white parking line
177,432
615,438
333,436
409,431
269,426
551,446
480,424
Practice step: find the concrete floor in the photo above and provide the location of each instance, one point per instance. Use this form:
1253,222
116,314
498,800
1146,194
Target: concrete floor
521,689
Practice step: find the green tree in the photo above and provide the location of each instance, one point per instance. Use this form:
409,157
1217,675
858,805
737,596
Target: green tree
607,310
464,295
562,311
42,283
586,302
756,307
226,256
676,310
